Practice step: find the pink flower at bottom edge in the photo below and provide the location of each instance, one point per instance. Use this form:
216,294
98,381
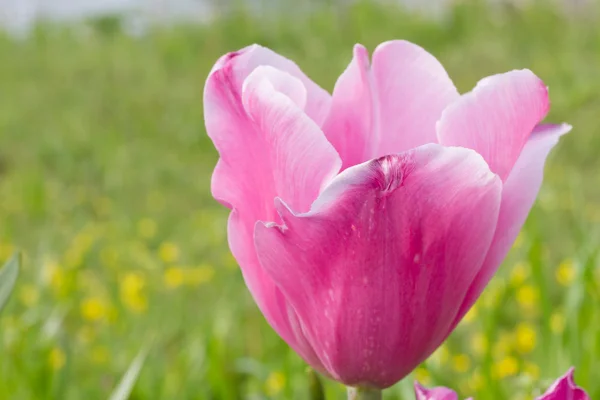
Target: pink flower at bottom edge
564,388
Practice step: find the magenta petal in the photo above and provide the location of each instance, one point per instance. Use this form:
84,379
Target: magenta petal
389,107
496,118
268,148
565,389
378,268
438,393
518,195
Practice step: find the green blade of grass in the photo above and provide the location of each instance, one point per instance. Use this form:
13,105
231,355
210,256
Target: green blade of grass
123,390
8,277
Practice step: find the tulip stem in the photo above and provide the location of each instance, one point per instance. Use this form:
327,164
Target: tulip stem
361,393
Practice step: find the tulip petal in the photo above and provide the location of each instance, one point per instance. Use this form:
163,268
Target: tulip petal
268,147
233,68
437,393
389,107
518,195
350,123
413,89
565,389
496,118
378,268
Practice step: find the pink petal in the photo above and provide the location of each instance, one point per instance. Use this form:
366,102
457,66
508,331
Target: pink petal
565,389
268,148
438,393
350,123
413,89
518,195
496,118
378,268
390,107
244,61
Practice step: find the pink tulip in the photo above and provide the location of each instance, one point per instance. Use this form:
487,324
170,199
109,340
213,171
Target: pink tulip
366,223
437,393
563,389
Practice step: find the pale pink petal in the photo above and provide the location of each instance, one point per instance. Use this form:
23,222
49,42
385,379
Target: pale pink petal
244,61
378,268
268,147
565,389
413,89
438,393
518,195
350,123
390,107
496,118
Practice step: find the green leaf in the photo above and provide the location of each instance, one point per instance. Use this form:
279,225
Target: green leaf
8,277
127,383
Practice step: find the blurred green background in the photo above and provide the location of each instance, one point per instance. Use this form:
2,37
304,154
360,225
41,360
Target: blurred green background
104,185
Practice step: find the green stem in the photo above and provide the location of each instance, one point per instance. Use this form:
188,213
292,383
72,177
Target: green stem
363,394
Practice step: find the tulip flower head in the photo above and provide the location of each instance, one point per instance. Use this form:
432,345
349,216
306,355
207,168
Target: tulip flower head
563,389
367,222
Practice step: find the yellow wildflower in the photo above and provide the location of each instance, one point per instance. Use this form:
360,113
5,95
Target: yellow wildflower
29,295
168,252
174,277
532,371
275,383
93,309
528,296
508,366
519,274
461,363
132,292
146,228
57,358
422,375
525,338
565,273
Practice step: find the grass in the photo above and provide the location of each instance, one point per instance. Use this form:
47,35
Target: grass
104,184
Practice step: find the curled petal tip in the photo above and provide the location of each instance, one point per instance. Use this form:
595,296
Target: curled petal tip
565,388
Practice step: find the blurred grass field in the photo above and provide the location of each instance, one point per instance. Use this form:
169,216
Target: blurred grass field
104,185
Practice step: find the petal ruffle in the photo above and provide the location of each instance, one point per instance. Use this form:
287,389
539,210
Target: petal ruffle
389,107
233,68
377,270
496,118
